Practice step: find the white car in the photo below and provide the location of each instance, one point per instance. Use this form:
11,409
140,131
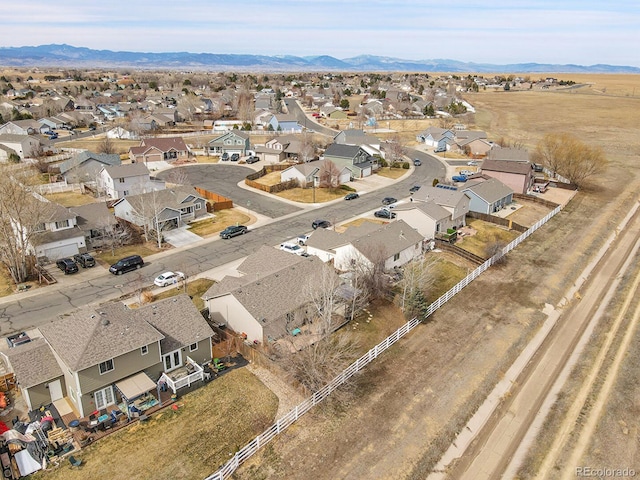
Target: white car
293,248
168,278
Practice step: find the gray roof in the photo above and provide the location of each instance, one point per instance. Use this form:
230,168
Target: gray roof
64,234
13,137
127,170
267,260
430,208
174,198
93,216
353,136
506,166
490,190
441,196
177,319
391,238
33,363
93,335
511,154
80,158
344,151
329,240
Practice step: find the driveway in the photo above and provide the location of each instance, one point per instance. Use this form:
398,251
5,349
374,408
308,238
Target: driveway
180,237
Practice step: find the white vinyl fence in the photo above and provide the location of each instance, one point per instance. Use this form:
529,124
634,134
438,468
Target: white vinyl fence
288,419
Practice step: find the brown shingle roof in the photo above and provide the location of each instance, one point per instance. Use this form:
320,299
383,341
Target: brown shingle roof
33,363
506,166
166,144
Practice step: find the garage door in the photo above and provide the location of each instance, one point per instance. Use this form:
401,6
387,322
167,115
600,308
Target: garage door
61,252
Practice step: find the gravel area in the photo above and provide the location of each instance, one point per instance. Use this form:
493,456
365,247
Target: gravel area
288,396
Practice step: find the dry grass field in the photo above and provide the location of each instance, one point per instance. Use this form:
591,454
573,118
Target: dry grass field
222,219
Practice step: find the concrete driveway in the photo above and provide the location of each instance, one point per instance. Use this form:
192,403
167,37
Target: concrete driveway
180,237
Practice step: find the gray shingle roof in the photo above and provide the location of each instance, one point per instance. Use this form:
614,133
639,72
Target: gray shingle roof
93,335
490,190
511,154
33,363
506,166
392,238
441,196
93,216
127,170
167,198
80,158
344,151
329,240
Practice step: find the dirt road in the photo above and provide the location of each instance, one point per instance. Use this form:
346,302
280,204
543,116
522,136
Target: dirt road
534,391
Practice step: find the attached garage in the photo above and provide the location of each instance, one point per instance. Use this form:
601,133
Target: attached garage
63,251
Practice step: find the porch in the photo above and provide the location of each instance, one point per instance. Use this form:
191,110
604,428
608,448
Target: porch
183,376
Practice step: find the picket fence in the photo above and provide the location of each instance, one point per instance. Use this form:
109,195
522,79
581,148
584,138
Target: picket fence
293,415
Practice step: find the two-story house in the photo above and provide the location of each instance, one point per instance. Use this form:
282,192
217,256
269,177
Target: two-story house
161,209
59,236
99,357
355,158
23,145
118,181
453,200
234,141
84,167
511,166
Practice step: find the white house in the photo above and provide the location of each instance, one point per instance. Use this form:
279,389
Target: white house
118,181
24,145
59,236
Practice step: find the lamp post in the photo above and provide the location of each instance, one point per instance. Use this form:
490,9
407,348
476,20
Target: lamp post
248,207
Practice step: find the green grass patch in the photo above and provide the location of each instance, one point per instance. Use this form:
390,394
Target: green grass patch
222,220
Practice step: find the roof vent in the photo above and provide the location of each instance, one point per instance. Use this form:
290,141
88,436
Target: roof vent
105,322
93,316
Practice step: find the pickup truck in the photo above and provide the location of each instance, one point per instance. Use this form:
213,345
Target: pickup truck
459,178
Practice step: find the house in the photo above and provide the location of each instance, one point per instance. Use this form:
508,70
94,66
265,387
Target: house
23,127
322,174
440,139
121,133
427,218
94,220
59,236
161,209
284,123
234,141
355,158
392,244
85,166
170,149
118,181
353,136
249,306
474,142
101,356
488,196
511,166
455,201
24,145
333,113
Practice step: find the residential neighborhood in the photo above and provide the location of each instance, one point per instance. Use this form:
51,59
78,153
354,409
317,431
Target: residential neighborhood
270,223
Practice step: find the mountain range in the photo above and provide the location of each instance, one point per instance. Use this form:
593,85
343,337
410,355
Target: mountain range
68,56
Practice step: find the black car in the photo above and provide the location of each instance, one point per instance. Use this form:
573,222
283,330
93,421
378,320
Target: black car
235,157
320,224
126,264
351,196
224,157
233,231
417,162
388,200
84,260
415,188
253,159
67,265
385,214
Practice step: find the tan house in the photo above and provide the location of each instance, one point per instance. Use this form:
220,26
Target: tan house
170,149
106,356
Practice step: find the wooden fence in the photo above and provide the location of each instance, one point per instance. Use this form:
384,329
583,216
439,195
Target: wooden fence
218,202
250,180
504,222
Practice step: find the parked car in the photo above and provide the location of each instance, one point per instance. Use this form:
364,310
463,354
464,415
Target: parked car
415,188
320,224
253,159
472,163
53,136
92,128
459,178
235,157
302,239
440,149
84,260
417,162
293,248
126,264
48,133
168,278
224,157
67,265
233,231
389,200
351,196
385,214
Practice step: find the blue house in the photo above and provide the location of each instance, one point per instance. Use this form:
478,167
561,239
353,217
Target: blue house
488,196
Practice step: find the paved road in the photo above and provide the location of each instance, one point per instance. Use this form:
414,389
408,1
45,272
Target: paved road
296,110
97,286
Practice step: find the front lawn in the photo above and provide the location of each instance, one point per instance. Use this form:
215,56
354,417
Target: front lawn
195,289
222,219
106,259
312,195
393,173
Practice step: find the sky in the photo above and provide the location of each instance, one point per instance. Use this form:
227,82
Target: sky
583,32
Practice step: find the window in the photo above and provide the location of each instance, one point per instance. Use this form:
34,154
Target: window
193,347
106,367
125,193
62,224
103,398
144,350
39,228
198,206
396,257
121,180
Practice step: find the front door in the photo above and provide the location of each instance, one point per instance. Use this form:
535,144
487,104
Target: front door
172,360
103,398
55,390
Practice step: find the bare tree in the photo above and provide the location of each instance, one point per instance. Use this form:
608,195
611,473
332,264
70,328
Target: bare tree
177,176
565,155
107,145
372,270
417,277
329,175
113,233
307,148
22,216
395,149
245,106
322,293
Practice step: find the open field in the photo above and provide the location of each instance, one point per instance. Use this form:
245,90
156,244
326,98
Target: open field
411,402
93,144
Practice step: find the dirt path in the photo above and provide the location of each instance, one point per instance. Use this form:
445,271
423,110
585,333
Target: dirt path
288,397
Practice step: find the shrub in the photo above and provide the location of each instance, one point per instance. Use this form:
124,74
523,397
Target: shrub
347,188
405,165
383,163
